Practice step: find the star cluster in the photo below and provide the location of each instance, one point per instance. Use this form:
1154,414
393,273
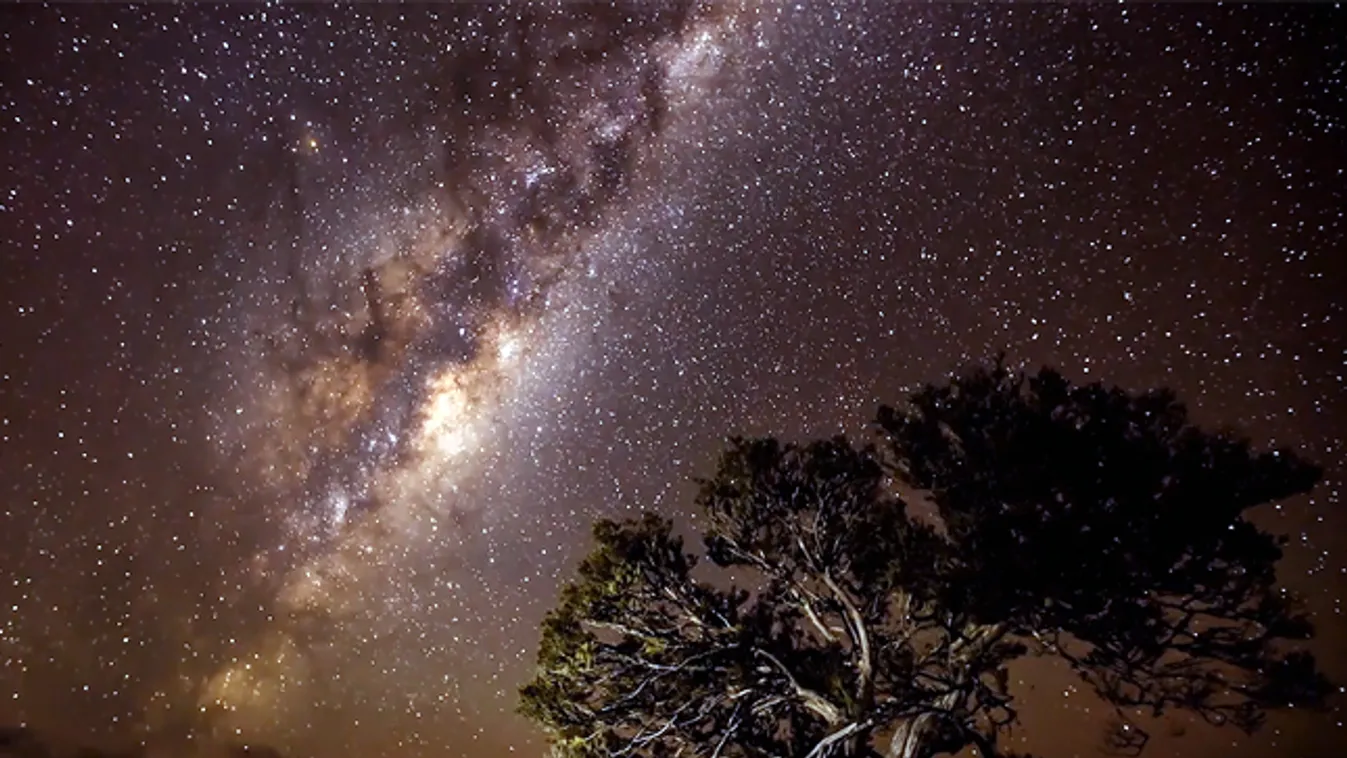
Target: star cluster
329,330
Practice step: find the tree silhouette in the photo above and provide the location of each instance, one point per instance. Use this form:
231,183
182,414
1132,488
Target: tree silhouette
1082,522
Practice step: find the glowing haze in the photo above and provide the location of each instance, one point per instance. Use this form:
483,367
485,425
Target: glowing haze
408,332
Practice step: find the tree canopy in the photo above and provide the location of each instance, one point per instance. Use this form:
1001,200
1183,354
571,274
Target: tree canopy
871,595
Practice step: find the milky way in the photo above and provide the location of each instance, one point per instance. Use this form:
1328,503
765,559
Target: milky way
417,316
329,331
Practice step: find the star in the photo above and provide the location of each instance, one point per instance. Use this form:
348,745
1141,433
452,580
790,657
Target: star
329,331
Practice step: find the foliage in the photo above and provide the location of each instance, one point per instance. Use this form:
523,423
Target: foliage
1083,522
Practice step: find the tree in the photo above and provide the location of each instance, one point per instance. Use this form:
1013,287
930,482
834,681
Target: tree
1082,522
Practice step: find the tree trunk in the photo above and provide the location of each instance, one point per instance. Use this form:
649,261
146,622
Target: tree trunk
912,738
916,737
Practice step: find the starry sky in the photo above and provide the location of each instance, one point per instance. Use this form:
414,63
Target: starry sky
328,331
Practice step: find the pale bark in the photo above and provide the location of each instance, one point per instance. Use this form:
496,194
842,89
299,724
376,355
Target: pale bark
826,744
912,738
818,704
860,637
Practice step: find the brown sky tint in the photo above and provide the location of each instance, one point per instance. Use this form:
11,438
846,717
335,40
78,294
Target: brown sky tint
327,332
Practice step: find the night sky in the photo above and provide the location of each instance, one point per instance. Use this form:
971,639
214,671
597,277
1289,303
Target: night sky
328,331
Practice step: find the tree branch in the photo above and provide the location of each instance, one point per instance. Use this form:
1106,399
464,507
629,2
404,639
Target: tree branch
860,637
825,745
812,700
